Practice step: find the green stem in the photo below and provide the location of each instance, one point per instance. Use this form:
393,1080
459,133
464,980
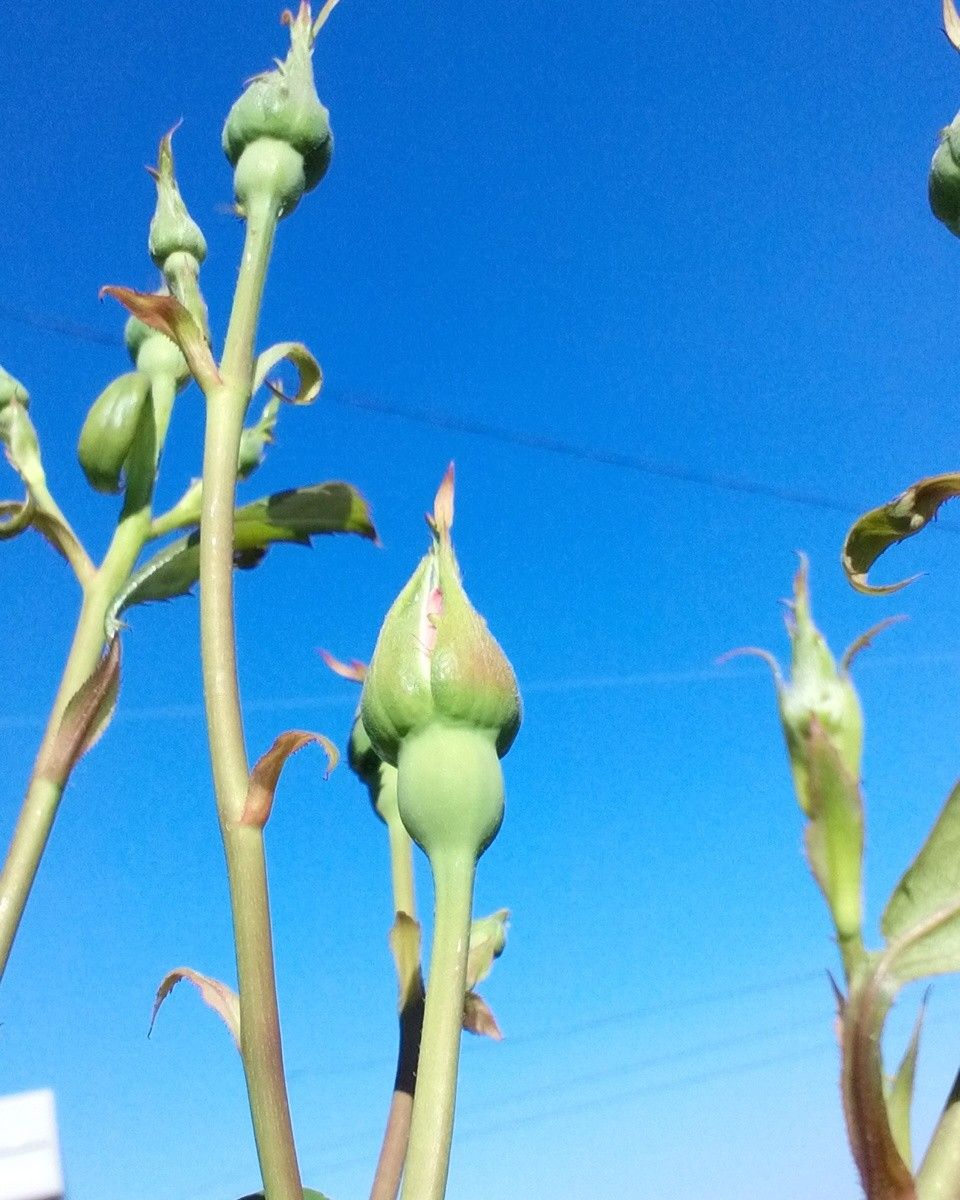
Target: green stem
431,1131
186,512
42,799
939,1174
260,1042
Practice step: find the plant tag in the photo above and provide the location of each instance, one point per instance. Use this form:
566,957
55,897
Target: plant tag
30,1166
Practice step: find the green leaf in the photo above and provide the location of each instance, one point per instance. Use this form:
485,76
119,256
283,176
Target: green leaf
881,528
899,1092
922,919
295,515
309,375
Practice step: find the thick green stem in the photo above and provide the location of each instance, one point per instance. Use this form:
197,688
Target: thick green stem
246,866
939,1174
431,1131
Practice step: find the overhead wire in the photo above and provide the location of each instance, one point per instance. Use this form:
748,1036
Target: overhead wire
547,443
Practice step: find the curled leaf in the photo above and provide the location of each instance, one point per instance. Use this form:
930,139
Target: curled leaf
85,718
266,772
478,1017
15,517
169,316
216,995
881,528
309,375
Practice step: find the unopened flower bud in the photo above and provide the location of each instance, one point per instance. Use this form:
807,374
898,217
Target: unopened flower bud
944,182
817,689
172,229
278,112
109,430
435,658
441,703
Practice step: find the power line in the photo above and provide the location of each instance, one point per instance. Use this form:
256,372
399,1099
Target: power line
608,458
437,420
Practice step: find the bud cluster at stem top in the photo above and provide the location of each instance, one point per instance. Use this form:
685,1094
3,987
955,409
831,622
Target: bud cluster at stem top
435,659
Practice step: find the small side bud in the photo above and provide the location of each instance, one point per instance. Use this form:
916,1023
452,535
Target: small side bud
172,229
109,430
944,181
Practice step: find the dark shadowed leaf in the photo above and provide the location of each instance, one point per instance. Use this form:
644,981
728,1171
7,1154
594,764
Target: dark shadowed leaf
295,515
922,919
266,773
881,528
222,999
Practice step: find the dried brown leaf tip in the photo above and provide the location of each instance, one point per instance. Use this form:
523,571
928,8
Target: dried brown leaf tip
354,670
216,995
266,773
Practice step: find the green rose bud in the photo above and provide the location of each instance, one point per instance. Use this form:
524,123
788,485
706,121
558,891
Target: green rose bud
441,703
172,229
109,430
944,182
278,113
817,690
823,728
435,658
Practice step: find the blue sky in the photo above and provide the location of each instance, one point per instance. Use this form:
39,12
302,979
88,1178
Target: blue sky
696,240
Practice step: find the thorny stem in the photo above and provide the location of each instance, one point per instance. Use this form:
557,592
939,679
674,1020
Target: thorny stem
431,1131
260,1043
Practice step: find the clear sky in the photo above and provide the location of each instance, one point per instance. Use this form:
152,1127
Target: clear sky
691,246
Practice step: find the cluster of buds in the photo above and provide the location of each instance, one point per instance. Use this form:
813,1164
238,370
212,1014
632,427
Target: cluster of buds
441,703
277,135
